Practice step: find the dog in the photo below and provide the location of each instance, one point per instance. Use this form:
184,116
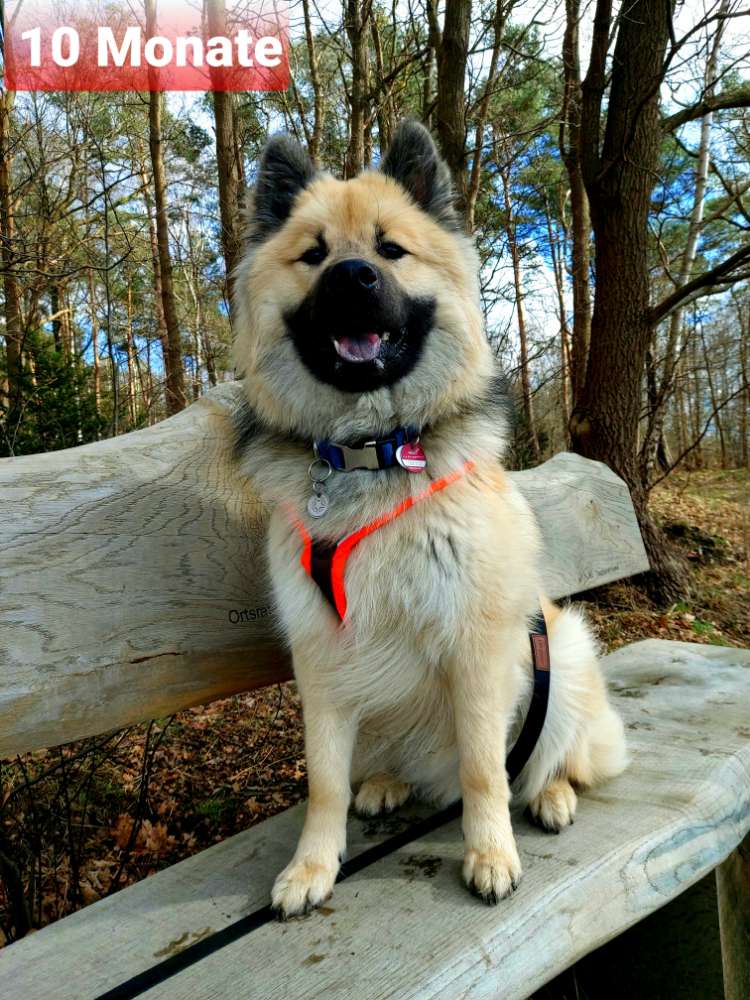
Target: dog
404,563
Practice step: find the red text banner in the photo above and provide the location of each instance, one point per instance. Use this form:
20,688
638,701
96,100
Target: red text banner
146,45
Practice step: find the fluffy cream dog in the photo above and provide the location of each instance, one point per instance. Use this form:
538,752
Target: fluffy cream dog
358,312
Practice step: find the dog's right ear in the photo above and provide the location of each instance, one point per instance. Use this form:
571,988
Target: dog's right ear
413,161
285,169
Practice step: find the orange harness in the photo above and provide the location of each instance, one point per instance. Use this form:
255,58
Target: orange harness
325,561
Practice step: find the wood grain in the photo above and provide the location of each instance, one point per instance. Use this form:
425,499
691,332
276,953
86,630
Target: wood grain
405,927
132,578
733,893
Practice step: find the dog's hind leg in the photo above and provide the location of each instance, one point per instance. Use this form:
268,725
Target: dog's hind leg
381,793
583,742
555,806
599,755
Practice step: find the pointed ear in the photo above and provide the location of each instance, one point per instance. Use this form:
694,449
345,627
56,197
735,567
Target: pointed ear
285,169
413,161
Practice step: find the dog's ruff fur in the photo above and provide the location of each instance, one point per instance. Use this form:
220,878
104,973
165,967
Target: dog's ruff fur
418,691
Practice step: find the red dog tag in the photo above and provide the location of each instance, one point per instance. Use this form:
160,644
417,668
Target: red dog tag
410,456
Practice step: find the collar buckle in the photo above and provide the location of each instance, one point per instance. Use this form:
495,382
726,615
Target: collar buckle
365,457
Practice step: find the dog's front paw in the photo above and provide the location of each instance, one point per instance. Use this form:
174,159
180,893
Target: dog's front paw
492,874
302,886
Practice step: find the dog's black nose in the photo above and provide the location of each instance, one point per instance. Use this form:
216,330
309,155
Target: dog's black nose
352,275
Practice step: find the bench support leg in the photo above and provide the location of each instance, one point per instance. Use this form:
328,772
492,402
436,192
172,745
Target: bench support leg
733,891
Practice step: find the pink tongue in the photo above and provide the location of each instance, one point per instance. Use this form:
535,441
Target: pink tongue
365,348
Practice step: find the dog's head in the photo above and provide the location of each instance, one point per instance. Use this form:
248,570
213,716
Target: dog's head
357,301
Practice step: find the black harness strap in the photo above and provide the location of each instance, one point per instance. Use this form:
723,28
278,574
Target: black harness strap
321,562
516,760
534,721
168,967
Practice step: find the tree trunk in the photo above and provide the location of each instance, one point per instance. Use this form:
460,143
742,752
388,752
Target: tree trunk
472,192
679,404
744,398
132,409
383,99
556,254
13,329
580,264
95,347
175,378
619,179
434,39
715,405
696,399
226,155
318,105
528,407
452,56
580,258
654,435
161,326
148,391
357,15
55,314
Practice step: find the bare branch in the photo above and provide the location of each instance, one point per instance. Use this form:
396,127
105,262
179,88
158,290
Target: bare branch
702,283
686,451
737,98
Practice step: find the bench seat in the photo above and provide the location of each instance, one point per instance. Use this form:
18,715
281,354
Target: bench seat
404,926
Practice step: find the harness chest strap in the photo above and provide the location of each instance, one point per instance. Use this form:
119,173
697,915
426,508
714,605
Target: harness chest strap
325,562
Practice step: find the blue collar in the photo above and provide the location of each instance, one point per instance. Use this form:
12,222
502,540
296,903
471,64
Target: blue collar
376,454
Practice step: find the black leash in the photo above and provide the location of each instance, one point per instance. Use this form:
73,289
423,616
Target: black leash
517,759
537,713
194,953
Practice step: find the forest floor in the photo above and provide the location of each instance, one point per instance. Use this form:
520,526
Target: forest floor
79,822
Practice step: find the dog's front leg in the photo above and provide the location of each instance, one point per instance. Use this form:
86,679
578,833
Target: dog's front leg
481,704
308,879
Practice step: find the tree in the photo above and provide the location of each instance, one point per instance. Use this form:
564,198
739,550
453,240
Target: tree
12,300
570,151
175,379
227,155
619,152
356,22
88,211
452,57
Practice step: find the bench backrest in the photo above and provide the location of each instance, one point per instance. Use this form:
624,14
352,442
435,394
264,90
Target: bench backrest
132,578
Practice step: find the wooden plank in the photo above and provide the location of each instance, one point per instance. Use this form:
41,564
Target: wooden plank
132,577
589,530
405,926
733,893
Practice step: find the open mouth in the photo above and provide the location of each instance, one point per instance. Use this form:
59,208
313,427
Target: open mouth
365,347
360,345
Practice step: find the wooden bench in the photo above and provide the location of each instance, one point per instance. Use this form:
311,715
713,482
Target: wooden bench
131,585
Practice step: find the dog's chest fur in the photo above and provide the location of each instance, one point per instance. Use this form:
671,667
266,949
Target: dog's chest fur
419,589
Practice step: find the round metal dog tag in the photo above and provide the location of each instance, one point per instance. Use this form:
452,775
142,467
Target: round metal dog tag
411,456
317,505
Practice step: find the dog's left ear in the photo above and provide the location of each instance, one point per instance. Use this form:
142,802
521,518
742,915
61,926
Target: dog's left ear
285,169
413,161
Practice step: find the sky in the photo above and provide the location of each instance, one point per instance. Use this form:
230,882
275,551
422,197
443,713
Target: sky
685,84
683,89
548,15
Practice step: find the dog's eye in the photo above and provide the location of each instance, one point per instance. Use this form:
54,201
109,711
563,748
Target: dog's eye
391,251
314,256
